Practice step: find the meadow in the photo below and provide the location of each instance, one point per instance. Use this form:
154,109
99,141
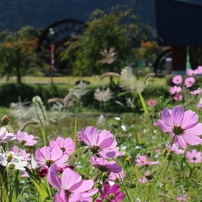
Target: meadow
149,155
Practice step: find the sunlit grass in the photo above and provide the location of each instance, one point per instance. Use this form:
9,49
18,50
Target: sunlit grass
72,80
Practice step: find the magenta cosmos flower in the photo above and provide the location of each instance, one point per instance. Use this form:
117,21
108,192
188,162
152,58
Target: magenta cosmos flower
66,145
111,193
102,144
25,139
151,102
46,156
194,156
142,161
105,166
178,97
175,89
177,79
188,82
70,182
182,125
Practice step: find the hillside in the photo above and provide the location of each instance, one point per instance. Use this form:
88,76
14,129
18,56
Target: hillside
15,14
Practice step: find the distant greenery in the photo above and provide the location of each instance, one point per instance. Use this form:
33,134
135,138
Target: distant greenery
107,44
18,55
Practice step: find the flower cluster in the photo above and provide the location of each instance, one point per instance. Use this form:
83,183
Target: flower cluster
197,71
52,161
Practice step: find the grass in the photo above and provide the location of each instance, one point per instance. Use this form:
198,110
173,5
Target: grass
72,80
136,136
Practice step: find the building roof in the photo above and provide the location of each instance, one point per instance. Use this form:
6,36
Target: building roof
178,23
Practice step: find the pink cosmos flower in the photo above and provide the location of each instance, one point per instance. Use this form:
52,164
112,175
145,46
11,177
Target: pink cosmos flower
177,79
111,193
157,150
46,156
188,82
178,97
25,139
6,136
70,183
103,144
194,156
66,145
151,102
143,180
183,198
191,72
175,149
62,197
105,166
175,89
148,177
199,69
181,125
117,176
196,92
142,161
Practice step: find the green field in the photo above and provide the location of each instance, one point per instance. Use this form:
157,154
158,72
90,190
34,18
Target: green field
72,80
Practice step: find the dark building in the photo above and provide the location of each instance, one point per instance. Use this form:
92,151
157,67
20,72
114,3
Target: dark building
178,24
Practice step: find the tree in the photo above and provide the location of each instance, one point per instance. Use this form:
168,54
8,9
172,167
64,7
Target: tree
118,30
18,56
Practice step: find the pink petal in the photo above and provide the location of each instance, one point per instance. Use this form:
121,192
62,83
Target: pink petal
90,192
179,140
190,119
69,178
107,143
192,140
82,186
164,127
56,154
177,115
53,178
196,130
166,117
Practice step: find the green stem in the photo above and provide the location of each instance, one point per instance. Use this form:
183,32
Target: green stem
143,102
3,184
42,129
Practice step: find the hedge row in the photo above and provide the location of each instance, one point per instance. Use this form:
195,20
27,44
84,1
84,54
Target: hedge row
12,92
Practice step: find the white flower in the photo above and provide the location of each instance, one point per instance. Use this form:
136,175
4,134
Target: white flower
103,95
17,165
101,121
130,102
3,160
128,80
74,95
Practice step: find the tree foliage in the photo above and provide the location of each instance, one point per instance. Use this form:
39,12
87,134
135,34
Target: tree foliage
118,30
17,52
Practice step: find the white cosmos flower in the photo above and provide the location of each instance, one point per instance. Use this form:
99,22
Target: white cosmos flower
103,95
17,165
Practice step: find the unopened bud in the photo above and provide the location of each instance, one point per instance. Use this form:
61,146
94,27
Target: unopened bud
4,120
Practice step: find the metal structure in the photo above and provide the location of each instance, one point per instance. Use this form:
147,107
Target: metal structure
62,31
54,37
